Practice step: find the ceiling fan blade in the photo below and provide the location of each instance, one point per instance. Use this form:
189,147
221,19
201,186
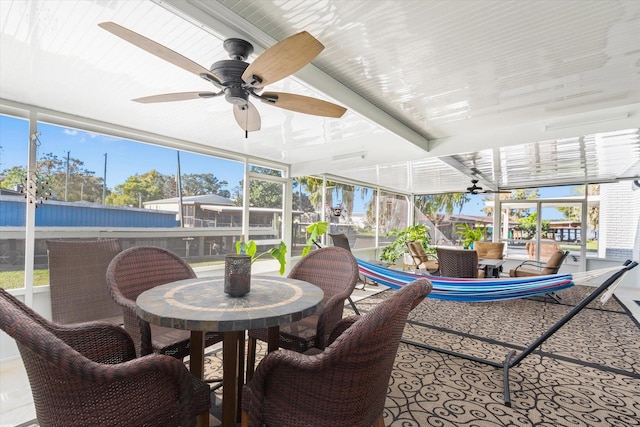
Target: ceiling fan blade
282,59
247,117
303,104
180,96
156,49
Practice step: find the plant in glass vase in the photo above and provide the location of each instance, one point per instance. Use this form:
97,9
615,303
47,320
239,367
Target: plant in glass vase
237,267
251,248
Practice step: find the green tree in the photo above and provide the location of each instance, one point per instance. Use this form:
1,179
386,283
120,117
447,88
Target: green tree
263,194
72,183
346,193
151,185
203,183
12,178
521,194
528,225
432,205
301,201
593,213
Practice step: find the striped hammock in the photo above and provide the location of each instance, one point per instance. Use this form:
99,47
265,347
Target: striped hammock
476,290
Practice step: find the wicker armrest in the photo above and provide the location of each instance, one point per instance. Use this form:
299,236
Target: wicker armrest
329,317
284,365
342,326
98,341
163,376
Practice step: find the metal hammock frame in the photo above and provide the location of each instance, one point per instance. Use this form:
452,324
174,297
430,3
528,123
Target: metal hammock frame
471,290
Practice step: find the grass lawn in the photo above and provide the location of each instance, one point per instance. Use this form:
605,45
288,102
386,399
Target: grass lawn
15,279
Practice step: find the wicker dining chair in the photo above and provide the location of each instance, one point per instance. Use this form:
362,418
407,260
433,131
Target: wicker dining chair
77,271
343,385
335,271
342,241
87,374
461,263
132,272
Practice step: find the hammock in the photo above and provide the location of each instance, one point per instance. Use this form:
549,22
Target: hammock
476,290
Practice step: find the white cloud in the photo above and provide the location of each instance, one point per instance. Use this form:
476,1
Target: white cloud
71,132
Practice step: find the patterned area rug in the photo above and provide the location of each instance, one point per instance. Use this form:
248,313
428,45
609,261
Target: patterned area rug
586,374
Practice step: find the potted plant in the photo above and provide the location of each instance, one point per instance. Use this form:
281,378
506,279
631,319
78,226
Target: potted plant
469,234
397,248
250,248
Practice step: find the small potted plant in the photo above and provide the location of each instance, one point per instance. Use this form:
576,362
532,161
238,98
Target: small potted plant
250,248
470,234
397,248
237,267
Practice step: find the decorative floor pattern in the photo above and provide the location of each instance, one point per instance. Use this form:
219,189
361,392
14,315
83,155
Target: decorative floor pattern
586,374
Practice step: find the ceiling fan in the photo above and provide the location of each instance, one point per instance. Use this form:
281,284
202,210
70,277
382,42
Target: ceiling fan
238,80
476,189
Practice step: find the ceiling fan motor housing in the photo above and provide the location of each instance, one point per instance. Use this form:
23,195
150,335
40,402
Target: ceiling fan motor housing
230,72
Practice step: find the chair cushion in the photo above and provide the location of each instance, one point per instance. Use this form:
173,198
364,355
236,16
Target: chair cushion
491,250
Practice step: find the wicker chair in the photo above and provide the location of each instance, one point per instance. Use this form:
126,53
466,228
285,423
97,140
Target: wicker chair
461,263
132,272
421,259
342,241
335,271
344,385
88,374
77,271
536,268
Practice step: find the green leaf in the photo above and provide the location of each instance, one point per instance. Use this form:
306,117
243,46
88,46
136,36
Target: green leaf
315,230
280,254
250,248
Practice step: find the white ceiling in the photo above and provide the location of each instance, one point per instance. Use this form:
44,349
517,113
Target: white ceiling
516,93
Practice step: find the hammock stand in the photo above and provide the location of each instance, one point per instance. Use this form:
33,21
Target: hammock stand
440,283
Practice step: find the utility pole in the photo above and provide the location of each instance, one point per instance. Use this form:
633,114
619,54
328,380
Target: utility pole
66,179
179,185
104,179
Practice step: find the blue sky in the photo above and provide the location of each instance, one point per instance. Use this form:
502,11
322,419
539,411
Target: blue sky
124,158
127,158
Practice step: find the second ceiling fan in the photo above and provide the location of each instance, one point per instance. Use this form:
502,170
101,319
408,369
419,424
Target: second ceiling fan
476,189
238,80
